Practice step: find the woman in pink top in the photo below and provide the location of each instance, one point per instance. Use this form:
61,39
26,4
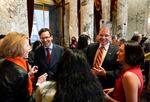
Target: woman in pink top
129,84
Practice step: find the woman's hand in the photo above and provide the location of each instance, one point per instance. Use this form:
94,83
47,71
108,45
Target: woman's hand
108,91
107,97
31,73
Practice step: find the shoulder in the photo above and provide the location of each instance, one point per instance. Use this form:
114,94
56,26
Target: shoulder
57,46
13,71
128,75
93,45
39,49
114,46
128,78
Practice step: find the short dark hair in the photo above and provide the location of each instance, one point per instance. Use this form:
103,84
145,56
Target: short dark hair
134,54
44,30
83,41
36,44
75,81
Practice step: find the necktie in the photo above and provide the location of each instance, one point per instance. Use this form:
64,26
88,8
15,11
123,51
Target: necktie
48,55
98,60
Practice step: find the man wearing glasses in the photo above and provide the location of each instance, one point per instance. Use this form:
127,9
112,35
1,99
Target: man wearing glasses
102,58
47,56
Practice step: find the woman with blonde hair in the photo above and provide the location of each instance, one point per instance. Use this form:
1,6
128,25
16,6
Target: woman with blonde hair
15,81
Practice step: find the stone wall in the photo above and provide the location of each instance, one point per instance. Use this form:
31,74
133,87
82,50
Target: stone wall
13,16
137,17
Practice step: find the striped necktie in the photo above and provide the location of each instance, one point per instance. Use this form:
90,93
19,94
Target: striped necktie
98,60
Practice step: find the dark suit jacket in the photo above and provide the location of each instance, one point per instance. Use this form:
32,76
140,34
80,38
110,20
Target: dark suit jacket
109,64
41,61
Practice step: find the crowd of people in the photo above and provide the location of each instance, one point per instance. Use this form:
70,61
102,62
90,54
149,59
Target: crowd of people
46,72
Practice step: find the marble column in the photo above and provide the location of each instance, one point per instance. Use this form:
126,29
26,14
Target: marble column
106,10
73,19
137,17
87,18
122,18
13,16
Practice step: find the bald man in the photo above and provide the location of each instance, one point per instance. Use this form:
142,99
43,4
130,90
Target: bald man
108,69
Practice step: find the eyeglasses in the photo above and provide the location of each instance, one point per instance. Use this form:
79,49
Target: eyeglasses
46,37
105,35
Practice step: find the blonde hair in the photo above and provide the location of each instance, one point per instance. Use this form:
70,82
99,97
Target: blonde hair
12,44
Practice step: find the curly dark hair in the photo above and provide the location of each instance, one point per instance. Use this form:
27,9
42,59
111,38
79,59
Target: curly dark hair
74,80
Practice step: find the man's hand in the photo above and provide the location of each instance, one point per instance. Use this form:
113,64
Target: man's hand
99,71
41,79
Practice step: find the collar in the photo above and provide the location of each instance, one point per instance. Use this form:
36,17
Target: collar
105,47
19,61
50,47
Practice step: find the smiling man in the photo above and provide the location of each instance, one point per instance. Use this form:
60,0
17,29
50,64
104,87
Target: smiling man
47,56
102,58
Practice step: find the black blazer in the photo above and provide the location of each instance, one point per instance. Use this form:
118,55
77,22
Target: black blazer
40,60
110,64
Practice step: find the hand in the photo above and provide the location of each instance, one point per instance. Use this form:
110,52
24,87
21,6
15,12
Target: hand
99,71
32,72
109,99
42,78
108,91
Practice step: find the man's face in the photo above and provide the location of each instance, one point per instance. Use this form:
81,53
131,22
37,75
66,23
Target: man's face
46,39
104,36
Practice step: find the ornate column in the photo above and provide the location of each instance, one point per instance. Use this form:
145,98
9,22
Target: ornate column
106,10
73,19
137,17
87,18
122,18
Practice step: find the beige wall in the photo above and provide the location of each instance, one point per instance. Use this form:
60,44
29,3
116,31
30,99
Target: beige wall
14,16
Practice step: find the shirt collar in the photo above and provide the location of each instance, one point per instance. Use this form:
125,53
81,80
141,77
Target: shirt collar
105,47
50,47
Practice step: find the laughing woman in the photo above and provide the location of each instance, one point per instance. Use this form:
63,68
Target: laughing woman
129,84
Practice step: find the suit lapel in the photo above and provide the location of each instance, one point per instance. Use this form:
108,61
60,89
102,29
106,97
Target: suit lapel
107,54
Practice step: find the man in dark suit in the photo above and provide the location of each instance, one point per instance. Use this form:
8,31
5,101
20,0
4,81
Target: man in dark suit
44,64
108,69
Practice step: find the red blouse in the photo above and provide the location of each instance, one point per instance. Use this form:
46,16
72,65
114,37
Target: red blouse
118,92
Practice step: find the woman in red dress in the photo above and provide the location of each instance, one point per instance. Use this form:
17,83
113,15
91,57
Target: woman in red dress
129,84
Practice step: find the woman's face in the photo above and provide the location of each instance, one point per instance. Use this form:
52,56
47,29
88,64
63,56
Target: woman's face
27,49
121,54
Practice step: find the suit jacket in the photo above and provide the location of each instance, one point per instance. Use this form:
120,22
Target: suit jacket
110,64
40,60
